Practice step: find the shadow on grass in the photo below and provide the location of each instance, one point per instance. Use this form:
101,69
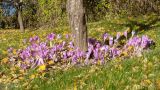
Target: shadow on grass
148,24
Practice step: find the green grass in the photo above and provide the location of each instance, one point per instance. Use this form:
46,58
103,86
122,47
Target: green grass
130,74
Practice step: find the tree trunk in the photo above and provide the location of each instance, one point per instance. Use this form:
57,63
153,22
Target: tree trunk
77,21
20,20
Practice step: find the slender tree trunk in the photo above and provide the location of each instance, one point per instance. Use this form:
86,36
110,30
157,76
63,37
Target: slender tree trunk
77,21
20,20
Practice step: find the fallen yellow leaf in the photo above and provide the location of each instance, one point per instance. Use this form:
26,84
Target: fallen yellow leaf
32,76
5,60
42,68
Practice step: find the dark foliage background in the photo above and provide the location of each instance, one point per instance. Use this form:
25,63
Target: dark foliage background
52,13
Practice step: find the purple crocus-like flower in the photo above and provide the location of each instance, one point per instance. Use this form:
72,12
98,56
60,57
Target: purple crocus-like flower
101,56
139,43
40,61
133,33
63,43
111,41
65,55
146,42
10,50
33,53
73,36
25,54
118,35
71,45
91,41
105,48
135,41
78,52
74,59
67,36
34,39
88,54
34,47
23,66
24,41
43,45
45,53
115,52
51,36
96,54
37,52
59,36
126,34
54,49
31,60
70,53
98,45
60,47
105,36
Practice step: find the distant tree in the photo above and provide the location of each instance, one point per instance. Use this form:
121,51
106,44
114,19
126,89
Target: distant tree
7,6
77,21
19,11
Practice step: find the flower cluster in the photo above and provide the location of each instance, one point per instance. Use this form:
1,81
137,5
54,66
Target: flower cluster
55,50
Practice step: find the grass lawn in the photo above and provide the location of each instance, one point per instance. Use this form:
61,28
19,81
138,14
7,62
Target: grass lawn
130,74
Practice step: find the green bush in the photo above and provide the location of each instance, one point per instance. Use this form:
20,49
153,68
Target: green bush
52,13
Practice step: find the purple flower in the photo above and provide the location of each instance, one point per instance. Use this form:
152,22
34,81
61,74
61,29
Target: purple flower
65,55
54,49
71,45
74,59
96,54
59,36
24,41
37,52
105,36
126,33
43,45
115,52
92,41
25,54
98,45
105,48
45,53
34,47
146,42
67,36
34,39
79,53
135,41
63,43
88,54
133,33
101,56
23,66
70,53
118,35
10,50
110,41
40,61
51,36
59,47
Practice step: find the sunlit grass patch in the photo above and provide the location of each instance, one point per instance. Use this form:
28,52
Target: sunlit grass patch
123,74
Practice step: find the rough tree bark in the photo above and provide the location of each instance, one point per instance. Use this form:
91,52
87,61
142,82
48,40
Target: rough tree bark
77,21
20,20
